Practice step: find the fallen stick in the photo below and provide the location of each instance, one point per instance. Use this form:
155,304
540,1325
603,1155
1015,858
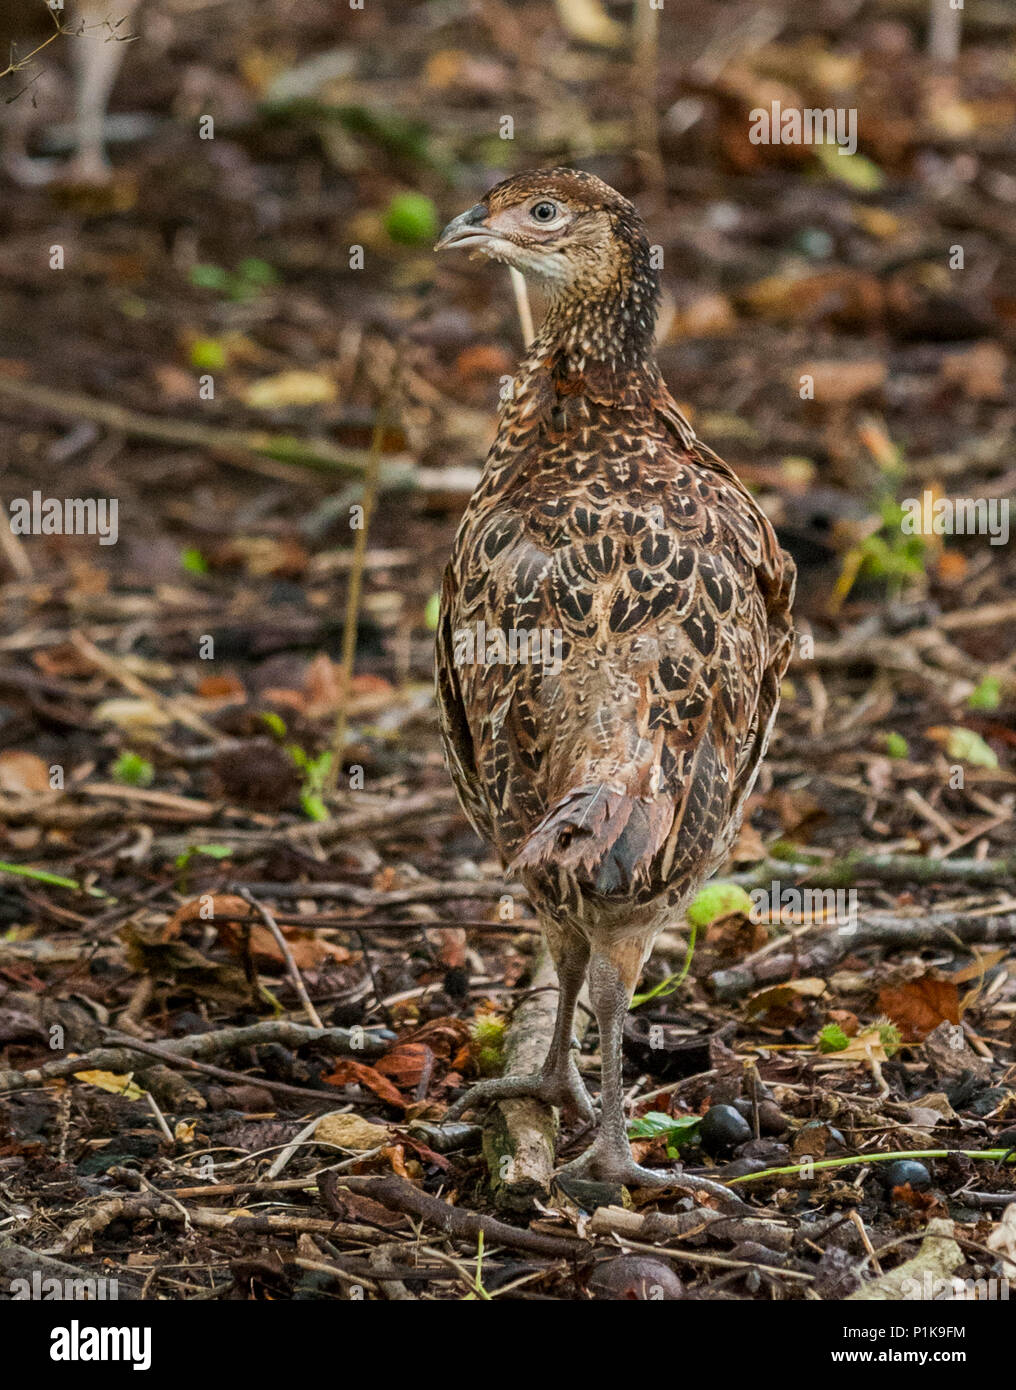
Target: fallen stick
368,502
118,671
122,1053
283,448
19,1262
454,890
399,1195
885,868
287,955
519,1136
398,471
874,929
375,818
150,1205
661,1226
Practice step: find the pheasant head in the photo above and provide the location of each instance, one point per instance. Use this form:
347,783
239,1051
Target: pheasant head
588,247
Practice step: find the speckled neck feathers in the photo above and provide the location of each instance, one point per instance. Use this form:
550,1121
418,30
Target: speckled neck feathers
606,317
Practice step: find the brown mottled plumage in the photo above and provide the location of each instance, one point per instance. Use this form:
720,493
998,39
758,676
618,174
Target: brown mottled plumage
612,777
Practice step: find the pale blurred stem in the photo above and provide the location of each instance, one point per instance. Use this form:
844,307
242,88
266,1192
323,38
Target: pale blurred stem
13,551
522,304
16,64
944,25
368,502
645,60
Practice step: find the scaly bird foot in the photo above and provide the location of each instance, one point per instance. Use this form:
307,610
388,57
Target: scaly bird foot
605,1165
564,1089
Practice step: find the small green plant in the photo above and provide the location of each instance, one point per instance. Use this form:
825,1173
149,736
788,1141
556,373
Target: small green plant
678,1130
250,278
856,171
890,554
193,561
274,722
967,746
897,746
988,694
717,900
182,863
133,770
212,851
53,880
315,780
712,902
207,355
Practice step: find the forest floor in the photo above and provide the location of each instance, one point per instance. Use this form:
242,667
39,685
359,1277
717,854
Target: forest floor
235,1001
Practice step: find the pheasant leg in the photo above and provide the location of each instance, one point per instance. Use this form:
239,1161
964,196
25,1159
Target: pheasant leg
558,1081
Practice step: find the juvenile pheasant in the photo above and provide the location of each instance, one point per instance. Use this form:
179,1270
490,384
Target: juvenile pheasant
615,623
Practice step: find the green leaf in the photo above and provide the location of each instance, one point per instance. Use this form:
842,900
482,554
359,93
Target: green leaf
678,1130
40,876
212,851
717,900
969,747
274,722
896,746
411,219
209,277
988,694
854,170
313,807
207,354
193,561
133,770
432,613
257,272
54,880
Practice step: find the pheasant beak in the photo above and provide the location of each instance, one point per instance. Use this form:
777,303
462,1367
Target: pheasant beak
468,230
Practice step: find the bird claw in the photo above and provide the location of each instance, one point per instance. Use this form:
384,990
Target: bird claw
605,1166
598,1165
565,1091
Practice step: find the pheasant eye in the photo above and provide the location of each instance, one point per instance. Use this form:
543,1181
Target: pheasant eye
543,212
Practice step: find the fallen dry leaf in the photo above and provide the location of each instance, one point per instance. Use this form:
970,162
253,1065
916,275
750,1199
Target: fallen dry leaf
407,1064
209,907
918,1006
221,688
348,1073
23,773
124,1086
295,387
838,383
351,1132
866,1047
785,996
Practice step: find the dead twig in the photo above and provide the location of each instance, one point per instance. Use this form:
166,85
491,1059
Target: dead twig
874,929
519,1136
367,504
399,1195
287,955
121,1052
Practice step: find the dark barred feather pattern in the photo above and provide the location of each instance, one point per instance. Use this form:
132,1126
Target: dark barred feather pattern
621,778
